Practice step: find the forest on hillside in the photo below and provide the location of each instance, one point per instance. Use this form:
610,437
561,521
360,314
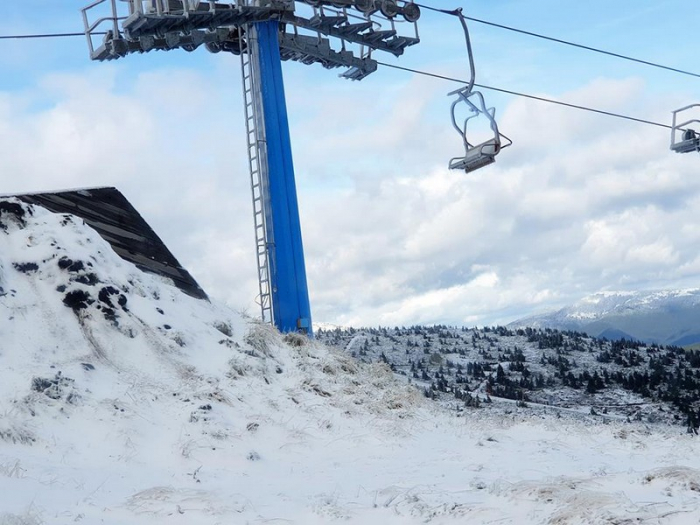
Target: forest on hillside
471,366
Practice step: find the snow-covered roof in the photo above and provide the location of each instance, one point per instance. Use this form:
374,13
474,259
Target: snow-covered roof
108,212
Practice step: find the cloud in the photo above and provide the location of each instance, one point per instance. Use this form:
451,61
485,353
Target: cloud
579,203
635,238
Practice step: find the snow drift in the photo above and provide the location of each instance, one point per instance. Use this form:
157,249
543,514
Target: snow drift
123,400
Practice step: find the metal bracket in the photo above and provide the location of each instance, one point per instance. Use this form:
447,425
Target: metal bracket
309,50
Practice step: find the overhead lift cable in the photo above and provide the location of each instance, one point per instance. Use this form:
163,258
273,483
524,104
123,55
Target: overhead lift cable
477,20
566,42
525,95
44,35
689,138
420,72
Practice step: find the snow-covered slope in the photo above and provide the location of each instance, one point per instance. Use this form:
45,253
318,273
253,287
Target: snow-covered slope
667,317
124,401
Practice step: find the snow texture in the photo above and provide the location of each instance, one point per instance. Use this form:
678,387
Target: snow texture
123,400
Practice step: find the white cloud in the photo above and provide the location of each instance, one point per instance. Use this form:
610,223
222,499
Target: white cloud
636,237
578,204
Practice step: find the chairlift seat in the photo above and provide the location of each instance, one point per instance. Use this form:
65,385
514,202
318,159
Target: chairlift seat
687,146
478,156
471,163
690,142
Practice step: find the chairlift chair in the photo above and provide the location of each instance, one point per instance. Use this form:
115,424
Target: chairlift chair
689,139
476,155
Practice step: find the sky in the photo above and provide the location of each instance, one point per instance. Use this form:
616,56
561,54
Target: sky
580,203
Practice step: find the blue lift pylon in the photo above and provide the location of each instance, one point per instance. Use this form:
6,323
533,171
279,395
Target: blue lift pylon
285,250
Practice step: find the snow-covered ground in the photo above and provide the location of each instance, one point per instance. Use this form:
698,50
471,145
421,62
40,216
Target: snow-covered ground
124,401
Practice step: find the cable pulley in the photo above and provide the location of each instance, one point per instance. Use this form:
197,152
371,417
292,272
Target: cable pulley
411,12
389,9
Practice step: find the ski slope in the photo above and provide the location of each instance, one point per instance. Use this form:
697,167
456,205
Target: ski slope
123,400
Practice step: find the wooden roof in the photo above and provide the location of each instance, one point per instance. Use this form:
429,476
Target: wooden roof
109,213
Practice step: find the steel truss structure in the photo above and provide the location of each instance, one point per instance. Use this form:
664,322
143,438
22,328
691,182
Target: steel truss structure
117,28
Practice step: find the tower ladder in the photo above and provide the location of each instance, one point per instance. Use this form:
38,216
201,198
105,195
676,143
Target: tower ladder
257,163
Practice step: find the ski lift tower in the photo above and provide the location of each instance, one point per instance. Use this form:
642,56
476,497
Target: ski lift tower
332,33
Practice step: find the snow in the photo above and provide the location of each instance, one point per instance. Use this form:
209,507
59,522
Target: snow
168,409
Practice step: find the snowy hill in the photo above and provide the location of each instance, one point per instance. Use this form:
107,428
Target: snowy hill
543,369
665,317
124,401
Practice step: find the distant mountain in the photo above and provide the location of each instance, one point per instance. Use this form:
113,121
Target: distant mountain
670,317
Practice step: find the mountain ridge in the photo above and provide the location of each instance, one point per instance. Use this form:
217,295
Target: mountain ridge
669,317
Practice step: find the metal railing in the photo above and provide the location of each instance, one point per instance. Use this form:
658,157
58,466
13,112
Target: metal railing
690,139
98,26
